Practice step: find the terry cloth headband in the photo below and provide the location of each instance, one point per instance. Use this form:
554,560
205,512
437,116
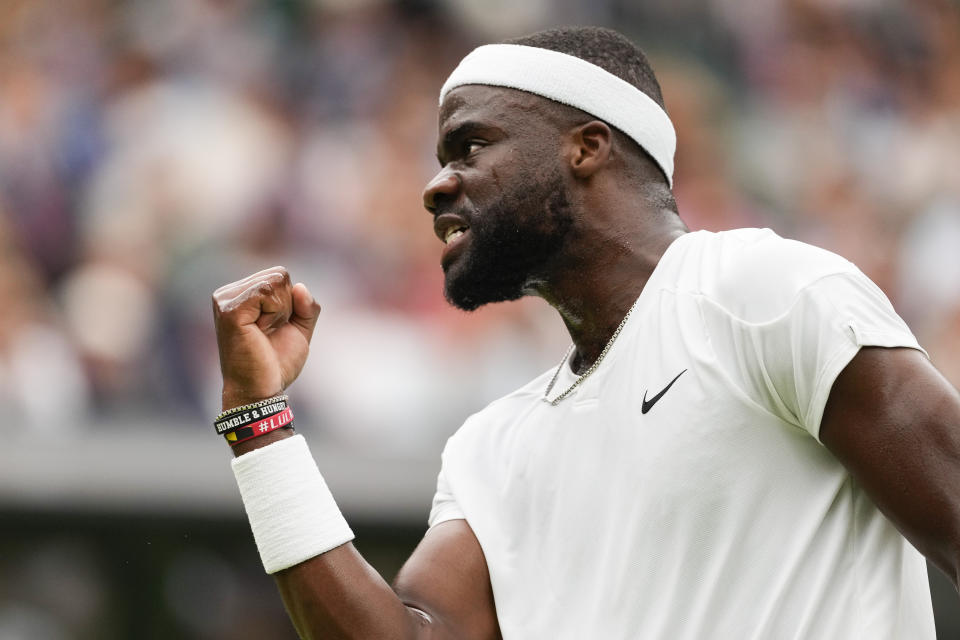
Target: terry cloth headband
574,82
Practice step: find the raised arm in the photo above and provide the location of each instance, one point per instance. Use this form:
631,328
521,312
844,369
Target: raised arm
894,422
264,325
443,591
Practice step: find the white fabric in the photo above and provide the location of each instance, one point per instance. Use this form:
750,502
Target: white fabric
291,511
574,82
717,514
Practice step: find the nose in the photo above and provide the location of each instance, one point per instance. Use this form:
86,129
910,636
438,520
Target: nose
443,186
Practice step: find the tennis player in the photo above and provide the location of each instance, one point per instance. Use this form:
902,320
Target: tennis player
744,441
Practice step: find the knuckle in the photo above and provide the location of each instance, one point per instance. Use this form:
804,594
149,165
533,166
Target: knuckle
273,273
280,278
221,302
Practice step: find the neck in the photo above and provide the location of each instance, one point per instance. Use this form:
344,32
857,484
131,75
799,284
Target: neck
596,287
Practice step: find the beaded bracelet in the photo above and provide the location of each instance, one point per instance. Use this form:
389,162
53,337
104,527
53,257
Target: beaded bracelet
253,405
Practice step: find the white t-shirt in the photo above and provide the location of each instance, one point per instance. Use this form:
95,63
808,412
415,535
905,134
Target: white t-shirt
716,513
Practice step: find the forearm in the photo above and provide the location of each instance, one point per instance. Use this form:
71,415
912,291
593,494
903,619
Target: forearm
264,325
334,594
337,595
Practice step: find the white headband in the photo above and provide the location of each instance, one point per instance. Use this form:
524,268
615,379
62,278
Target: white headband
574,82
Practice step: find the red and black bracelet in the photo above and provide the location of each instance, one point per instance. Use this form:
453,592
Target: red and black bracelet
251,420
278,420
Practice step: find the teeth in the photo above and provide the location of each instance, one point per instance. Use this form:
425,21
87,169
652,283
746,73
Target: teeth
452,235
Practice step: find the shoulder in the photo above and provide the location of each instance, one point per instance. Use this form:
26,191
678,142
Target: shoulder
754,274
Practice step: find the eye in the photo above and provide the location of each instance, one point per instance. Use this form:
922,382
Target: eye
471,146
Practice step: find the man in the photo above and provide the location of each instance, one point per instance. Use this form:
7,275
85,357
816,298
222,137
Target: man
732,448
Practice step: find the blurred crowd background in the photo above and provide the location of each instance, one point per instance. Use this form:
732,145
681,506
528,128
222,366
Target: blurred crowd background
152,150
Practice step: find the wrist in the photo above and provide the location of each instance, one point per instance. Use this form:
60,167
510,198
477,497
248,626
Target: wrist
255,423
292,512
255,443
233,396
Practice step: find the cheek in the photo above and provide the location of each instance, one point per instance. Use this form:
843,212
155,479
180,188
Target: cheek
517,180
514,166
505,165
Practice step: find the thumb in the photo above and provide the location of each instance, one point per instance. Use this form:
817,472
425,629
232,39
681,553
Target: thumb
306,310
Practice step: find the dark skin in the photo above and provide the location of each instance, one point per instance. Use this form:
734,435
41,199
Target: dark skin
894,422
891,418
617,238
264,325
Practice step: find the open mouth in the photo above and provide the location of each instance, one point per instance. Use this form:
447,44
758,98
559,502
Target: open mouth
454,233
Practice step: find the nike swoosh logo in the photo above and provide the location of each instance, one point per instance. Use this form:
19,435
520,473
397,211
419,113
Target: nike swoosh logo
648,404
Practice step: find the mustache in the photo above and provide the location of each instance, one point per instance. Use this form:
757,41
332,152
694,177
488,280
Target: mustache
467,213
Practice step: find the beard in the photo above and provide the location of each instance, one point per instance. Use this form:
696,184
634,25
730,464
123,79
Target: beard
510,243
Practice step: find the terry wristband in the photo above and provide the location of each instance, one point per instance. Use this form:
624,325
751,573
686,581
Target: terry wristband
292,513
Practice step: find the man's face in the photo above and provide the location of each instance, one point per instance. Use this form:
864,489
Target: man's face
499,202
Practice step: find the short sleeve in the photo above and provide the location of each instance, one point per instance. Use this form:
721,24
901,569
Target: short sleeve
789,363
444,506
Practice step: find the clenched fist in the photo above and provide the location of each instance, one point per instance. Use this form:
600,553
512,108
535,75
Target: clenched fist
264,325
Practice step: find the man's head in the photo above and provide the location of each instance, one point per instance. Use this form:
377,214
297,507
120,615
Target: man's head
606,48
516,163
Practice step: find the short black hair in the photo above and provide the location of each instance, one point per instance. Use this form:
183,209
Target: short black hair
613,52
606,48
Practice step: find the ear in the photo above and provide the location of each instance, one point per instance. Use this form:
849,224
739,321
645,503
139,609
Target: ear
590,148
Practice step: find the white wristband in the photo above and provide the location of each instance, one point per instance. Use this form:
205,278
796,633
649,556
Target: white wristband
292,512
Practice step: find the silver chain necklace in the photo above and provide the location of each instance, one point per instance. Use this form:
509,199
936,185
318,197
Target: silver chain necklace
593,367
